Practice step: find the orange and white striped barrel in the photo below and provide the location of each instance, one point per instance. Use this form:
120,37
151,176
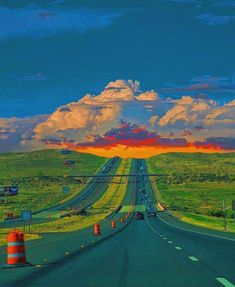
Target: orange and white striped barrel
113,224
122,219
96,229
16,248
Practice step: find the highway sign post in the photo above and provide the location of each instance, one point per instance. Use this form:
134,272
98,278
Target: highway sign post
9,190
26,216
65,189
6,191
233,208
225,215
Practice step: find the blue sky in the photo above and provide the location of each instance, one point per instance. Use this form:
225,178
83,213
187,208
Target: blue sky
53,52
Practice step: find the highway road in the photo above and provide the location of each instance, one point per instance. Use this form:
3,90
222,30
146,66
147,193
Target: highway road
90,194
151,252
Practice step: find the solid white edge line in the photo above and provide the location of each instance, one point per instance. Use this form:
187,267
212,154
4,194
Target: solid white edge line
201,233
193,258
225,282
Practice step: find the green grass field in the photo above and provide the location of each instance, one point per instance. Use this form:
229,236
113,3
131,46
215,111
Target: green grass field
193,186
36,174
111,199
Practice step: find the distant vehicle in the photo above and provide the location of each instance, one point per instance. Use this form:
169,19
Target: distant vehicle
150,209
65,151
151,212
69,162
139,216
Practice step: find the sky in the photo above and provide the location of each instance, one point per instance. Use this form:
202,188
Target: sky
53,52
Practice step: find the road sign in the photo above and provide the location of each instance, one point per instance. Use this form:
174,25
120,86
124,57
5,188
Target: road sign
233,205
65,189
69,162
9,190
26,215
65,151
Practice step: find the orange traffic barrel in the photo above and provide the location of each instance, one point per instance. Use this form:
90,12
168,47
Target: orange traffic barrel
121,219
96,229
127,216
16,249
113,224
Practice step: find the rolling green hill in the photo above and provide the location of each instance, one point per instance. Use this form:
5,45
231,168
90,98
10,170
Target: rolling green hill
36,173
193,186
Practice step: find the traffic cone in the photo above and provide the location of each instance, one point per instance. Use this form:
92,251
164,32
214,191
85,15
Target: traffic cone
122,219
16,256
96,229
113,224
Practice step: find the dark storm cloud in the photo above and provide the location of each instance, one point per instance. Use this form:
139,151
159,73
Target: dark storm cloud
203,83
226,143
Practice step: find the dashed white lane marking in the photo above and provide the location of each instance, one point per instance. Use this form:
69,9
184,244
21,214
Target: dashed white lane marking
164,238
170,242
178,248
225,282
201,233
193,258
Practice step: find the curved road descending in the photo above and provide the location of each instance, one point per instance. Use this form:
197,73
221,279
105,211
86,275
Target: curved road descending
147,253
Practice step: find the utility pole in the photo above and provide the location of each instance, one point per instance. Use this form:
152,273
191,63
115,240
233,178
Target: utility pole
225,215
233,208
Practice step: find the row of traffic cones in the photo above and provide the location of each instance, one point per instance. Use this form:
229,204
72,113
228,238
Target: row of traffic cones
96,227
16,253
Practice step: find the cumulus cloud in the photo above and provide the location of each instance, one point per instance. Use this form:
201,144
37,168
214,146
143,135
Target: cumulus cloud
15,132
94,114
187,111
123,114
224,115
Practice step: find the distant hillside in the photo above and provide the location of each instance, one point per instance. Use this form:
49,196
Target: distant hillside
216,164
47,163
38,192
194,185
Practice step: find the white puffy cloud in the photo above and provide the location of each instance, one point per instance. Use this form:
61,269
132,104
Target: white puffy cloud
193,119
94,114
15,132
224,115
187,111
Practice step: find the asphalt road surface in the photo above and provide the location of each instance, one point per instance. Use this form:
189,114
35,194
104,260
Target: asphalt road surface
151,252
